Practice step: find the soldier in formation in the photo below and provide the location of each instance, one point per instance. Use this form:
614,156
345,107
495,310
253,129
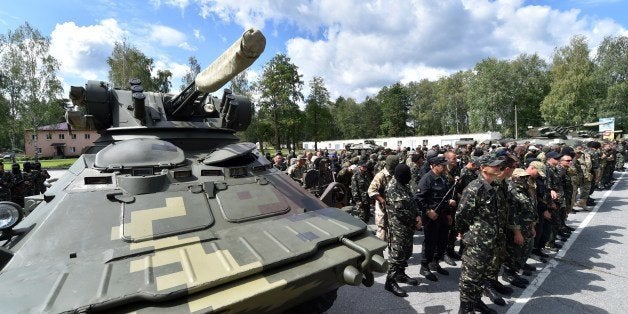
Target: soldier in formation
507,203
404,219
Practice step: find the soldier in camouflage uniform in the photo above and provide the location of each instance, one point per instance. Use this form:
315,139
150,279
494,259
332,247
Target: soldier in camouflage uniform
19,185
403,219
478,216
557,195
565,176
521,221
6,184
359,191
297,170
592,149
493,286
377,191
584,161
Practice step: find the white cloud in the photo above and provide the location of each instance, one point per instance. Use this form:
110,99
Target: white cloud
169,37
198,35
83,50
358,46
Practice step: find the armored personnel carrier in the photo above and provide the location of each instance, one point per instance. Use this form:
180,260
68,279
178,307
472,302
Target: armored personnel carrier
170,212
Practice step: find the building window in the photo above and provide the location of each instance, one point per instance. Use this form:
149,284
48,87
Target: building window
87,136
425,143
39,150
48,136
72,149
73,136
385,144
33,137
61,136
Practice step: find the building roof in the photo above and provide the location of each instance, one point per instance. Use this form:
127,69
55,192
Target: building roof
63,126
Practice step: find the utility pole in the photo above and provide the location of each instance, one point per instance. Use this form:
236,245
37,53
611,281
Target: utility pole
516,128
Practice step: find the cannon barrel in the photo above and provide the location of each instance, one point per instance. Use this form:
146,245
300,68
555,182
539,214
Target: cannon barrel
236,59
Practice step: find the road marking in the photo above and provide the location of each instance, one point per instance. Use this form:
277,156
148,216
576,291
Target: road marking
527,294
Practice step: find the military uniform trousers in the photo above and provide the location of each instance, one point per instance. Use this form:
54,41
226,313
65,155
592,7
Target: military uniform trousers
381,222
399,246
480,248
517,255
435,238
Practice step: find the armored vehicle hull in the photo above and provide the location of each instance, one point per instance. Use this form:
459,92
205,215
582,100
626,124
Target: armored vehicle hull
169,212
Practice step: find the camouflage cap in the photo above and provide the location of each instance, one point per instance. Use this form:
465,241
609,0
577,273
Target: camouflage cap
538,166
518,173
391,162
490,160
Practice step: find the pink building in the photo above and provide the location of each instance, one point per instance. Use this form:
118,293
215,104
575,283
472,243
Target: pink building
56,141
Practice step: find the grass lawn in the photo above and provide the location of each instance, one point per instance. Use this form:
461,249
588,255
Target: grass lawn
45,163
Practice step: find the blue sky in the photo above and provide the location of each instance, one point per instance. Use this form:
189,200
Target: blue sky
356,46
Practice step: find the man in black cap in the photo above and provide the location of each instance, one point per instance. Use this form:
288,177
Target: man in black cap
435,202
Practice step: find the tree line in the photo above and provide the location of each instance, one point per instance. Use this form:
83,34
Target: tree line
495,95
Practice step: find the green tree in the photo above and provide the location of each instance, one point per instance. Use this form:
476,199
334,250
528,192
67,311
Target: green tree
127,62
280,89
424,119
491,97
317,116
531,77
369,119
28,82
240,85
162,81
612,77
394,102
346,116
451,102
572,88
192,72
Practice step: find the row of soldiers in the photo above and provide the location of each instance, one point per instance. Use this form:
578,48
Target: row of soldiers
506,202
17,184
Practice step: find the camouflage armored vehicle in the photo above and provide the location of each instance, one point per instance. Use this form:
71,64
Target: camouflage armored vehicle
169,212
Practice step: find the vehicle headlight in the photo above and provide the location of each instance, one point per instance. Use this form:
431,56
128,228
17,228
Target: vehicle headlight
10,215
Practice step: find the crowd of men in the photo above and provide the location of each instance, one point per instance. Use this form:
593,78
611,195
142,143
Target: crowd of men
19,183
504,202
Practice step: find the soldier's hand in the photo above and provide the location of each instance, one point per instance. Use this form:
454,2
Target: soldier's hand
431,214
419,223
518,238
547,215
452,203
554,195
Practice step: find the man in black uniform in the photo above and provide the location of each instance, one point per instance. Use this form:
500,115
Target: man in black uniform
437,207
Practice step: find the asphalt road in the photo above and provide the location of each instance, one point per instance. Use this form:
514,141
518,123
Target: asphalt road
588,275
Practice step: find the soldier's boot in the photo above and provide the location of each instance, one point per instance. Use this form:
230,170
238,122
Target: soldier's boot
404,278
452,253
499,287
392,286
483,308
490,292
514,279
434,266
466,308
425,271
583,203
449,260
